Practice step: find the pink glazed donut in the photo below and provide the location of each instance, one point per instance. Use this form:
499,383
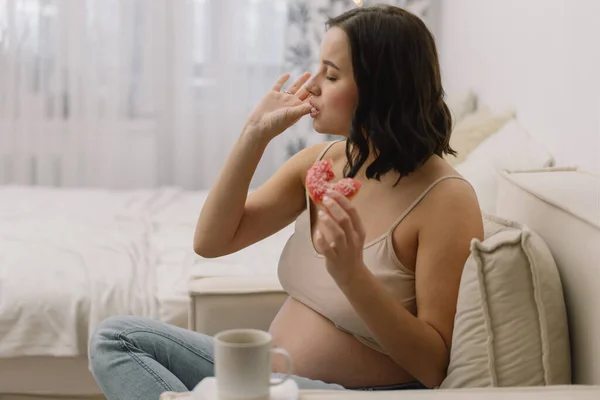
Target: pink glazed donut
318,181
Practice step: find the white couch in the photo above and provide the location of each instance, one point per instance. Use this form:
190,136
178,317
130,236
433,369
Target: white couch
562,205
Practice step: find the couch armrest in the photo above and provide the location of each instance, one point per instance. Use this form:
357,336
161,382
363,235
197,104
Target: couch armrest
219,303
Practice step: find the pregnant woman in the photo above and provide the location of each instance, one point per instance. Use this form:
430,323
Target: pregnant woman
372,281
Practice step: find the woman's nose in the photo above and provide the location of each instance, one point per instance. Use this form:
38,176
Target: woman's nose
312,88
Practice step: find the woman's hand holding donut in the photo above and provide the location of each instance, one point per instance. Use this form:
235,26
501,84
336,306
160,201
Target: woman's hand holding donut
279,110
341,238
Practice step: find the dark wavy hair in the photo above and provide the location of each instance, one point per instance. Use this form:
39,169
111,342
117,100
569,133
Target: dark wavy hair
401,114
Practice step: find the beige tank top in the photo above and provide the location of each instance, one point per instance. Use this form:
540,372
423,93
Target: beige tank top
304,277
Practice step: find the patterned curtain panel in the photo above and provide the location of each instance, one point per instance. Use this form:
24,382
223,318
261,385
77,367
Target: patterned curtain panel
306,28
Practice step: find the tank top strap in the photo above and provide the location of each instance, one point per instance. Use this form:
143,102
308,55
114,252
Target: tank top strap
421,197
322,154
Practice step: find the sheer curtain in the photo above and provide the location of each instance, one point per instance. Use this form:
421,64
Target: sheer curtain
239,58
132,93
147,93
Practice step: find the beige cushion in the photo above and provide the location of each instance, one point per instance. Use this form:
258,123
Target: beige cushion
473,129
562,205
511,325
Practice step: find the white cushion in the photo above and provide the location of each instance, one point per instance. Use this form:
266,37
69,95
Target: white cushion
510,148
473,129
562,205
511,324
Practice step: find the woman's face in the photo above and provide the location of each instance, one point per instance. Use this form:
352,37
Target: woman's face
333,91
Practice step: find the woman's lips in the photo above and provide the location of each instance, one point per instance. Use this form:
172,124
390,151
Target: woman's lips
314,111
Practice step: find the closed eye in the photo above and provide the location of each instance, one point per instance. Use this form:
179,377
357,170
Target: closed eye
330,78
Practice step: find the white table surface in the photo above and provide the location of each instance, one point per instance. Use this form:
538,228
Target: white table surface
545,393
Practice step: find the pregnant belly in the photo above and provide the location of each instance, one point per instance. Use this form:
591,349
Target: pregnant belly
321,351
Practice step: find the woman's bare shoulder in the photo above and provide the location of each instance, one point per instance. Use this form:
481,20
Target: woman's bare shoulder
308,156
454,202
449,197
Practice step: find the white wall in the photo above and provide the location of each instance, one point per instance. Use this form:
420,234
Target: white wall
541,57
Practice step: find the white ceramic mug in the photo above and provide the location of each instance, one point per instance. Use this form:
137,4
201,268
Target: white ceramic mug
243,364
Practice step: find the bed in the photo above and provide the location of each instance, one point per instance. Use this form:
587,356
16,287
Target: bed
71,257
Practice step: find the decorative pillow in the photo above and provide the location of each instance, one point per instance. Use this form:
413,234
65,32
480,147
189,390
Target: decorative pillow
510,148
510,327
562,205
473,129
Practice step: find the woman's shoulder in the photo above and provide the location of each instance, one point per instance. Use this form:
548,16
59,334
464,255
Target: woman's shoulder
330,149
312,153
306,157
447,193
453,202
450,187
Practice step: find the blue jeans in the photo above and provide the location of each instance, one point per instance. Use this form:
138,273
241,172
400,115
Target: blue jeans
139,358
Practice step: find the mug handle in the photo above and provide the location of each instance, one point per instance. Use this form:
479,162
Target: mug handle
288,366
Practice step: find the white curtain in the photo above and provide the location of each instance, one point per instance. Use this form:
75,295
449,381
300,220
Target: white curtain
132,93
245,55
147,93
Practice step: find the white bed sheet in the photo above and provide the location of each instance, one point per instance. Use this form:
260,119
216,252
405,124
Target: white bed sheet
177,263
71,257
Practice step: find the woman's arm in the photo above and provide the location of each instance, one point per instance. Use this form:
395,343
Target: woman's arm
229,220
421,345
224,206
